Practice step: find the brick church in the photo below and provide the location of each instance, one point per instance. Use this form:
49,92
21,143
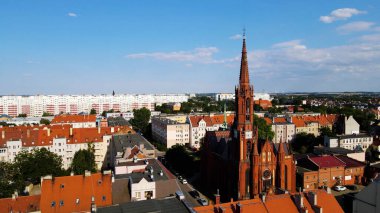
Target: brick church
239,165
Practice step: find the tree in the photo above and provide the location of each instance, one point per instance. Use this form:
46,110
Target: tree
181,160
140,119
324,131
22,115
83,160
10,180
44,121
93,111
265,130
37,163
45,114
304,143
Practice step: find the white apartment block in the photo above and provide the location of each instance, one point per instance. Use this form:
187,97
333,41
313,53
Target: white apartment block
170,132
74,104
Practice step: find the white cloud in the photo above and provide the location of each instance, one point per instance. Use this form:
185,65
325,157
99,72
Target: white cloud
236,37
203,55
341,14
355,27
294,44
71,14
370,38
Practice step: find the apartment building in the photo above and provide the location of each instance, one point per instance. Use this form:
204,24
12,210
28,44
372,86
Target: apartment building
74,104
63,140
283,129
170,132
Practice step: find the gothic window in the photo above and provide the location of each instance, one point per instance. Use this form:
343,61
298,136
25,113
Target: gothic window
247,112
264,156
269,156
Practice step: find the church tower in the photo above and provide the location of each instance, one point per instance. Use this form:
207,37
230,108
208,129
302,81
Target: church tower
243,136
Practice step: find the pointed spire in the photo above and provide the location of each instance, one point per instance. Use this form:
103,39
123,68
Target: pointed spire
244,73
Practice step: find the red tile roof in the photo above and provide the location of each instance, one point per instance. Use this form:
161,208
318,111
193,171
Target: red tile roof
74,193
20,204
278,203
327,161
197,118
326,201
44,135
219,119
350,162
73,119
253,205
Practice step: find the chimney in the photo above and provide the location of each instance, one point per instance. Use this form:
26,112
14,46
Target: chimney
112,129
298,198
312,197
71,173
239,207
3,134
128,151
87,173
263,197
99,130
217,197
71,131
28,133
48,132
93,207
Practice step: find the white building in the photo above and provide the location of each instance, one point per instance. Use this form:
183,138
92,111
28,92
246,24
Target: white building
231,96
62,140
170,132
74,104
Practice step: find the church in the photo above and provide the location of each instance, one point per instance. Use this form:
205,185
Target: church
235,163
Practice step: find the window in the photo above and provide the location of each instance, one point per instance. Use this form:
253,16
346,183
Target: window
52,203
62,186
103,198
77,201
269,156
61,203
264,156
138,195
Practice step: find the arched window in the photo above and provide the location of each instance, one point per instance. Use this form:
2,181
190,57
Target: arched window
247,112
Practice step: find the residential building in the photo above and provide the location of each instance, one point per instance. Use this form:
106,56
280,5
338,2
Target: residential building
317,171
236,162
283,129
231,96
77,121
20,204
143,180
264,104
79,193
62,140
199,124
170,132
351,142
357,154
75,104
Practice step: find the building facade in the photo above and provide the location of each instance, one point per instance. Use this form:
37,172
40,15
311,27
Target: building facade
55,104
170,132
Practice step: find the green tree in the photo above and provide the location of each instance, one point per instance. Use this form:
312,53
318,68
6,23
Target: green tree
181,160
45,121
93,111
304,143
265,130
37,163
22,115
140,119
10,180
45,114
83,160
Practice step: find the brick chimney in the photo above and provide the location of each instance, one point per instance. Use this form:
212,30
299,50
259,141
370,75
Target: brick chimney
71,131
217,197
239,207
3,134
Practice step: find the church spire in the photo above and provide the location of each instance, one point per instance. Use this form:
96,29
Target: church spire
244,74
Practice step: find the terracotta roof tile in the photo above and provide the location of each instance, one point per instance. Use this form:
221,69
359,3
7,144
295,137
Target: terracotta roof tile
73,119
327,161
74,193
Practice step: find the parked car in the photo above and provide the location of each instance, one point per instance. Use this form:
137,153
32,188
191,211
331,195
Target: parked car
352,187
180,178
179,195
339,188
184,181
203,201
194,193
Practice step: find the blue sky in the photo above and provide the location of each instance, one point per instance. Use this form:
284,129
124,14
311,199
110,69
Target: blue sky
167,46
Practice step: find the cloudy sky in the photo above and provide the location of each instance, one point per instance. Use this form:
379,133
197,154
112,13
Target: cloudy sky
175,46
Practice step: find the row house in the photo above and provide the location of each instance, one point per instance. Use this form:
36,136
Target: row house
77,121
62,140
199,124
328,171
